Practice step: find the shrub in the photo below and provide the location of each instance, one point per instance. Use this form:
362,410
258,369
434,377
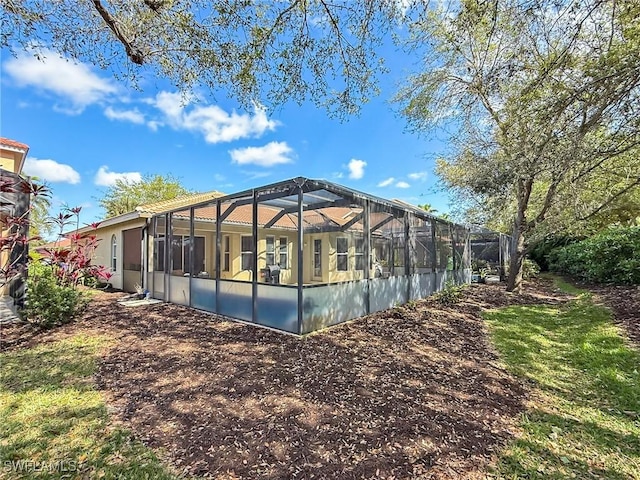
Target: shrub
611,256
450,294
48,303
540,252
530,268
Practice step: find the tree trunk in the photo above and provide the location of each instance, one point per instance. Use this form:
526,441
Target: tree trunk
514,281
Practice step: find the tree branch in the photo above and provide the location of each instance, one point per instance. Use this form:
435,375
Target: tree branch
134,54
611,199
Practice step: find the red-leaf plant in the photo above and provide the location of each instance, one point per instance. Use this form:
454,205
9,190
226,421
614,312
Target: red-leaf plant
71,264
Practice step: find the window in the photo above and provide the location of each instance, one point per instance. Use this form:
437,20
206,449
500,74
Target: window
342,250
158,253
181,254
271,250
114,258
317,258
284,253
359,253
176,253
247,253
198,255
226,250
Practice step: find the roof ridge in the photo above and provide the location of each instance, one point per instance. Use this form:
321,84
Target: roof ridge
178,201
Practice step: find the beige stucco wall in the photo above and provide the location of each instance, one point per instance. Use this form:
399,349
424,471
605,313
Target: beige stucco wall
102,254
10,160
236,232
330,273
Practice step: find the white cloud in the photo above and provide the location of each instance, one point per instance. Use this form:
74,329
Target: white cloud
211,121
251,175
402,185
74,82
387,182
154,124
271,154
133,116
105,178
50,170
356,168
418,176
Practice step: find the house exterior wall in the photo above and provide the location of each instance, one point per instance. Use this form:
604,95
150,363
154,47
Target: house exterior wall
102,254
288,276
10,160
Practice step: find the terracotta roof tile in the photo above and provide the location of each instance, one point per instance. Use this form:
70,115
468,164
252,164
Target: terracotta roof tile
12,143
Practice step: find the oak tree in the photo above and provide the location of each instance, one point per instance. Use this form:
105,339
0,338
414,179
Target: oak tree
267,51
544,101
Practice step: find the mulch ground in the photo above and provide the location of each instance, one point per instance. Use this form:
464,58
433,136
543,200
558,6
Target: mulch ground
413,392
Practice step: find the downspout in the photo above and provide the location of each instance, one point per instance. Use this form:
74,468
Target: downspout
191,251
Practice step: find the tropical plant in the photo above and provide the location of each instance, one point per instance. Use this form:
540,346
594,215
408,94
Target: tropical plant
14,228
72,265
52,296
50,303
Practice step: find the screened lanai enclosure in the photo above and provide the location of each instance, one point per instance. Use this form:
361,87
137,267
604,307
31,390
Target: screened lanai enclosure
491,250
302,254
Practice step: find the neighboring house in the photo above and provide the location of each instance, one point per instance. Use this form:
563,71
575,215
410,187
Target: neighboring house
12,155
14,202
297,255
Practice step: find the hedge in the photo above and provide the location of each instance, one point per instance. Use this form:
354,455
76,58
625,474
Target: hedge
611,256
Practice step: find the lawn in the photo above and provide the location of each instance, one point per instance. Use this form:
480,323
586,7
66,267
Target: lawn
54,421
583,420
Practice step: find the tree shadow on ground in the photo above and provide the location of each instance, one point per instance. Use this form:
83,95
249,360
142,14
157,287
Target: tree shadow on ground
377,397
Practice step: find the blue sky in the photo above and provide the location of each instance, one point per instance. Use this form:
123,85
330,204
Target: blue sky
86,129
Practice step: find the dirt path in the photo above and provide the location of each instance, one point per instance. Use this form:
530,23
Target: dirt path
408,393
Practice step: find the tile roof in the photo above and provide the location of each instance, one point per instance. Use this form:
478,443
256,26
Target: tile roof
63,242
182,201
7,142
329,216
243,214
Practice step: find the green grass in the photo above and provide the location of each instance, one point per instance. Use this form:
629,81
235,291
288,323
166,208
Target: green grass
584,417
566,287
52,419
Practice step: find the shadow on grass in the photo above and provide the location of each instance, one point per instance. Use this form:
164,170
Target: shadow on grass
53,418
586,378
